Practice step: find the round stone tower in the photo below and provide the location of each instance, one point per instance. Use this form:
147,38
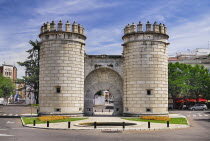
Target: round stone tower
145,70
61,87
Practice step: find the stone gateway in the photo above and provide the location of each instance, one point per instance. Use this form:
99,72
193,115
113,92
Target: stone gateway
132,84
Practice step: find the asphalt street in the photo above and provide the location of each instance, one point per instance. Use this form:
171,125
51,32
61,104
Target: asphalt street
12,130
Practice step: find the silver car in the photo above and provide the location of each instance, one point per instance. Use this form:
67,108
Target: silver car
199,107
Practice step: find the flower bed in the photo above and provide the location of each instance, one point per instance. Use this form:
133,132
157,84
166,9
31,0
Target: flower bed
50,118
156,118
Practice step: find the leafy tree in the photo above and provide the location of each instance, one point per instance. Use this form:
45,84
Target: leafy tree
7,88
188,81
198,81
176,80
32,70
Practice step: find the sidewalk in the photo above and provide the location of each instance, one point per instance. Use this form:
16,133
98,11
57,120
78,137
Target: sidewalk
75,125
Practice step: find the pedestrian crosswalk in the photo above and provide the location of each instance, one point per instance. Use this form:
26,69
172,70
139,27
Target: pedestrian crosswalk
197,115
9,115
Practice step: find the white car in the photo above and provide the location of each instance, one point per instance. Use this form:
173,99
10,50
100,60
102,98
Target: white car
199,107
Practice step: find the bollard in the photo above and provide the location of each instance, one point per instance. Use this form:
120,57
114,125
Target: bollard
34,122
148,124
95,110
167,123
48,123
123,125
94,125
102,111
69,124
109,110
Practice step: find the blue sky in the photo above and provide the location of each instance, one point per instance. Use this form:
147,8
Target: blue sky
188,23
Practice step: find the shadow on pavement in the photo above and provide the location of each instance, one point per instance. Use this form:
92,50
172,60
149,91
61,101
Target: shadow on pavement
206,120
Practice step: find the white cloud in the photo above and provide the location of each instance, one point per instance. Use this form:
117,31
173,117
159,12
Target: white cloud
72,7
106,40
189,35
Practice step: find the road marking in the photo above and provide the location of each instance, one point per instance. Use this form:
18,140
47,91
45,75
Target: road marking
194,115
5,135
4,114
188,115
200,115
24,128
10,114
206,115
16,115
10,122
3,129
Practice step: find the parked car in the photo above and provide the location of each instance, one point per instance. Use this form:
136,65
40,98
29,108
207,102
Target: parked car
199,107
2,102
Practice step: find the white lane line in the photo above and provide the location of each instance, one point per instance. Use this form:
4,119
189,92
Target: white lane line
188,115
24,128
206,115
4,114
16,115
3,129
200,115
194,115
10,114
5,135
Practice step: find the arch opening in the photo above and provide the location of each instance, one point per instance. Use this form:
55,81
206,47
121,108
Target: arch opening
103,103
103,93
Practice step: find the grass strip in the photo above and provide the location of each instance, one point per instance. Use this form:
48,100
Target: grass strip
172,120
30,120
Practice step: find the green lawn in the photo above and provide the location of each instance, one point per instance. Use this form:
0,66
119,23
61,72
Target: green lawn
172,121
30,120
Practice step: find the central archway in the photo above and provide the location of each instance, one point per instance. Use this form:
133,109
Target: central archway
103,79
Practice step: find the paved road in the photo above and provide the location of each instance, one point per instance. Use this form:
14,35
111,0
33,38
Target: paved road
11,130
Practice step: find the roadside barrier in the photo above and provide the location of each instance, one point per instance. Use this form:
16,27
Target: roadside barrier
123,125
69,124
34,122
95,125
48,123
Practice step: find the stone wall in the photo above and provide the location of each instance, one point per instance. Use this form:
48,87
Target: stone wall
114,62
103,72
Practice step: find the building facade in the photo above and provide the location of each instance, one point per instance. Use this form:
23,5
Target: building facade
136,81
9,71
200,56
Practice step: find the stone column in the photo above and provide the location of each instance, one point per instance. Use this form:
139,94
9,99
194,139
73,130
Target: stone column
61,89
145,73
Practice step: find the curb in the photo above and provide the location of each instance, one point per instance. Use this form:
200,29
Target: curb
188,122
140,129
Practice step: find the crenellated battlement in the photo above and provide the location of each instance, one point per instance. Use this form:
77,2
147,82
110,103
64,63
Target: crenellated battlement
49,27
155,33
155,28
49,31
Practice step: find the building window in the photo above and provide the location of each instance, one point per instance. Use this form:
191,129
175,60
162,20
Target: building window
148,110
57,109
149,92
58,89
126,109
